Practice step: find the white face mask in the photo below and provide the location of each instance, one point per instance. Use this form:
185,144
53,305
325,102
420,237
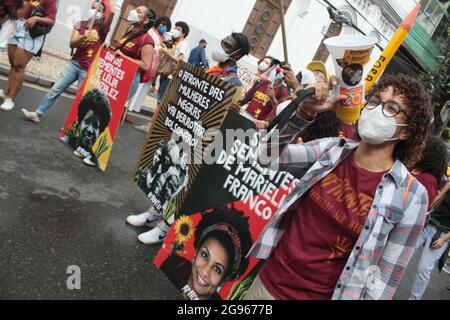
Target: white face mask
176,34
93,13
133,17
220,55
375,128
263,66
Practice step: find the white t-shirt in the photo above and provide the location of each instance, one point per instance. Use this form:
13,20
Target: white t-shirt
182,48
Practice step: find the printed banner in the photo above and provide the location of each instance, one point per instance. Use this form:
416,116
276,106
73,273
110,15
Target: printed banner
94,117
230,202
194,103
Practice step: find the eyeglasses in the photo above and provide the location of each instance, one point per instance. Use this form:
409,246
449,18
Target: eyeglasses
390,108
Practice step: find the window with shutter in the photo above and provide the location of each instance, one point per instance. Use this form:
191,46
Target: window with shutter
263,24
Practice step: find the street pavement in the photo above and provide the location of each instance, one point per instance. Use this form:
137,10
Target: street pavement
56,212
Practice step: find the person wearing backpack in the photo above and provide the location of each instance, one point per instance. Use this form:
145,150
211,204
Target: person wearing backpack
87,37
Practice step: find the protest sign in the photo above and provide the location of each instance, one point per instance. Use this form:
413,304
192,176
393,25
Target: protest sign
194,103
94,117
227,207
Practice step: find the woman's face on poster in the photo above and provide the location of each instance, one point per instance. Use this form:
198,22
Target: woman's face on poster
209,268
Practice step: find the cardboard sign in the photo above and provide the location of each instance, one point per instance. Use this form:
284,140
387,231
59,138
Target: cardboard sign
94,117
194,103
226,210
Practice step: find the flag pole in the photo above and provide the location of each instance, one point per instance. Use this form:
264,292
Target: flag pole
283,31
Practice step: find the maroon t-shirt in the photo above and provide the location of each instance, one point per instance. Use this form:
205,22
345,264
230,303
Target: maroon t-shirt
348,130
133,48
261,106
47,7
430,183
86,51
308,261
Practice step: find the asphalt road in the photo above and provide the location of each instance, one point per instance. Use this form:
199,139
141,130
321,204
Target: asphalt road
56,212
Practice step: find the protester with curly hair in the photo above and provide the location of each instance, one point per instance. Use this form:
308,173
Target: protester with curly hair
222,241
351,224
432,168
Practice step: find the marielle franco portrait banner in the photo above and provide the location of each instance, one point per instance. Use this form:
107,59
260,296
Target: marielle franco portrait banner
193,104
94,118
228,205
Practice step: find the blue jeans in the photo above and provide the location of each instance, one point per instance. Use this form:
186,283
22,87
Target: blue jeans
163,83
427,261
72,72
134,86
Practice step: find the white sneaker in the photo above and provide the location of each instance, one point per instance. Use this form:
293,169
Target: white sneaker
32,116
139,220
148,218
89,162
156,235
7,105
79,155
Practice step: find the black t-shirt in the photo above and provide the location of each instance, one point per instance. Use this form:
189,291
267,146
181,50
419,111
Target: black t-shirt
442,213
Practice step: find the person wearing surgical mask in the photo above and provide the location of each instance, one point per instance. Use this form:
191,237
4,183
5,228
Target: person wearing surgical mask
348,230
231,50
158,33
179,52
261,99
87,37
137,45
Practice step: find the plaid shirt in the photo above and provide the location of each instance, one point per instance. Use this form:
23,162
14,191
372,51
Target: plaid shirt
395,219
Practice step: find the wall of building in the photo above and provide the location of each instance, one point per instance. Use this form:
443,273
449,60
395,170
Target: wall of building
68,13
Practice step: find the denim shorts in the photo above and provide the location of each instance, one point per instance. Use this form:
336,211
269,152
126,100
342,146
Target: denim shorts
21,38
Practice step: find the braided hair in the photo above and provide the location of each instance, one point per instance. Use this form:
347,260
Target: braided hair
151,16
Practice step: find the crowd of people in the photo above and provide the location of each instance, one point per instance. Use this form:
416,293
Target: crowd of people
373,191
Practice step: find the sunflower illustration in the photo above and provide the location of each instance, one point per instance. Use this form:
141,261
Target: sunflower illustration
184,228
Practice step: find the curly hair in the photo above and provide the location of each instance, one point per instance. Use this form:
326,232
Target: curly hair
419,114
239,222
434,159
97,101
326,125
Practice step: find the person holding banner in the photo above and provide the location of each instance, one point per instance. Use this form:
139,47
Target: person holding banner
137,45
87,37
37,20
232,49
267,93
351,224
